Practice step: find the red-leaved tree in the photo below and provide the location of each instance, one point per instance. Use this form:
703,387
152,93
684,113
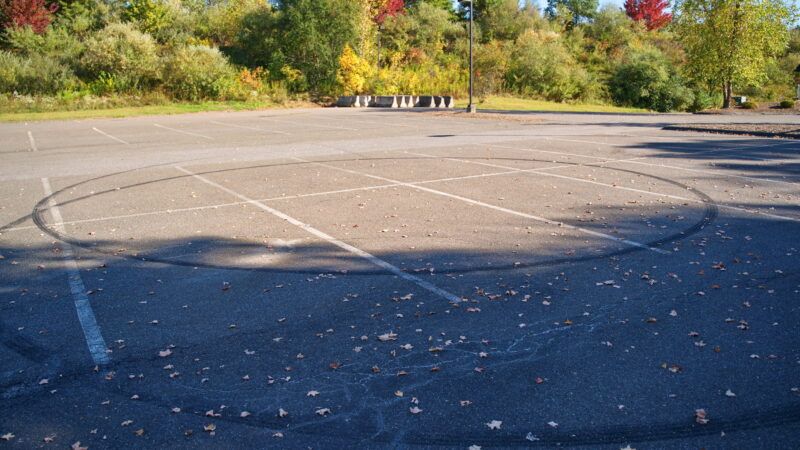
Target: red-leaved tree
389,8
33,13
652,12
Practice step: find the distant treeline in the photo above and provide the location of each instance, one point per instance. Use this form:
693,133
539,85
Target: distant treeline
643,55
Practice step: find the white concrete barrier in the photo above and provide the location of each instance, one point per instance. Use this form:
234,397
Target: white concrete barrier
395,101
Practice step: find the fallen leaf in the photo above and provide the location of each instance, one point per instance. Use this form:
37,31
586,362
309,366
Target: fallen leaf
700,416
387,337
494,425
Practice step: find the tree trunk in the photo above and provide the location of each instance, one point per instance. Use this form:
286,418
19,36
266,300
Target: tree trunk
727,93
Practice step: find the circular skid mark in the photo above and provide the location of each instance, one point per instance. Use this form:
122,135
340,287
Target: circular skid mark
709,215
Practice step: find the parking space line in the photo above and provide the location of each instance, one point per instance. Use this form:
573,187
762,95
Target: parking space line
32,142
184,132
311,124
110,136
245,127
201,208
332,240
498,208
368,122
83,307
641,191
637,159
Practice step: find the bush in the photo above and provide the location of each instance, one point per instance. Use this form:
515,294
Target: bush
646,80
703,100
787,104
353,72
34,75
197,72
123,52
491,64
750,105
10,68
57,43
542,67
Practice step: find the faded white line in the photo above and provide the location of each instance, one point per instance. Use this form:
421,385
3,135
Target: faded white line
204,207
322,235
637,160
750,146
189,133
367,122
83,307
640,191
110,136
245,127
498,208
311,124
32,142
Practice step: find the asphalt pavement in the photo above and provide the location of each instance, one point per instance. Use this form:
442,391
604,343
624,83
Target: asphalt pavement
340,278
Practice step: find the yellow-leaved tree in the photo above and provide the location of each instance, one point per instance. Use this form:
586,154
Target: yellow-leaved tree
353,72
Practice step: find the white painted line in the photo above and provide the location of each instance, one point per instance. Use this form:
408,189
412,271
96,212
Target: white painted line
751,146
184,132
705,171
499,208
91,330
322,235
637,159
205,207
110,136
245,127
311,124
640,191
32,141
368,122
579,141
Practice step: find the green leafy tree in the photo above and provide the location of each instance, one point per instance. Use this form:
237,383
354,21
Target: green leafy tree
730,42
151,16
313,35
579,10
504,19
646,79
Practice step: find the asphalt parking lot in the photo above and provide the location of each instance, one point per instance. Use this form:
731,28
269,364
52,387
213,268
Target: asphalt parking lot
337,278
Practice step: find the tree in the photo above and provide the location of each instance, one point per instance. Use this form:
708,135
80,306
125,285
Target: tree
504,19
652,12
579,9
32,13
353,72
730,42
312,35
388,8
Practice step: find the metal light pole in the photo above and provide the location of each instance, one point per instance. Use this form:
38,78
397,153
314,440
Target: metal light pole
471,108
